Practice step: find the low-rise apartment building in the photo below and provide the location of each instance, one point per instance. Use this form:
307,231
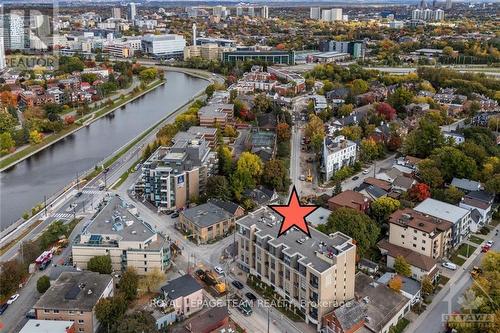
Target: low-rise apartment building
421,233
130,242
216,114
459,217
206,222
337,153
72,297
173,176
314,274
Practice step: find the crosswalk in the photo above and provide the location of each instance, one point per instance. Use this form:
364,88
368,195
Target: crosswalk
65,216
91,191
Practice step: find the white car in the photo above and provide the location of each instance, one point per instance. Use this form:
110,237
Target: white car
219,270
302,177
449,265
365,172
13,298
490,243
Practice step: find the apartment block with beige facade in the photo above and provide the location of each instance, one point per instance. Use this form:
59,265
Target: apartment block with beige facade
130,242
217,114
421,233
72,297
314,274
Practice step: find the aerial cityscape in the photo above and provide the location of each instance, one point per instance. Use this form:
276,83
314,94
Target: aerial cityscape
260,166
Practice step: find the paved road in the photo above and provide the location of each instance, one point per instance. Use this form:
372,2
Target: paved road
449,298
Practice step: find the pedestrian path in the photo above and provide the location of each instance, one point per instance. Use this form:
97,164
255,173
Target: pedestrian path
65,216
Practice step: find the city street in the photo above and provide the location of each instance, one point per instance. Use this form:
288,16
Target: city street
448,299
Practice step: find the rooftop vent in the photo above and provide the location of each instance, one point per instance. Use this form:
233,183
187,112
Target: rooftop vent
366,299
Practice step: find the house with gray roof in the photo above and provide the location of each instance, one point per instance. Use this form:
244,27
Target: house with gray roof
206,223
466,185
184,294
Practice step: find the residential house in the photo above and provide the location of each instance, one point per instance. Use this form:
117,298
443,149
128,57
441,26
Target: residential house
481,212
318,217
403,183
466,185
73,297
185,295
338,152
349,199
410,288
261,195
368,266
206,222
232,208
348,318
208,321
263,144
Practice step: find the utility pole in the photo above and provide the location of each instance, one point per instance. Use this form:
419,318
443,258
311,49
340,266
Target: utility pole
77,183
268,319
45,204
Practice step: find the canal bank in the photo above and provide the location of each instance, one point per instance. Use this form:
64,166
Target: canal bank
60,164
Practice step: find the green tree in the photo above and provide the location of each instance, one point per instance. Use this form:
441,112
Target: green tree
354,224
359,86
128,284
218,187
140,321
452,162
400,98
249,168
401,266
275,175
209,90
371,150
148,74
225,160
383,207
100,264
42,284
6,143
493,184
427,286
423,139
109,311
345,110
429,173
12,273
7,122
35,137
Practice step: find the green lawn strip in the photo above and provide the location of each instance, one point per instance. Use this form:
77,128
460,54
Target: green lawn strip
400,326
462,250
10,244
475,239
125,175
457,260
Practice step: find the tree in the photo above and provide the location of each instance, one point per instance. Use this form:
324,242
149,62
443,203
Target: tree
225,160
12,273
283,132
100,264
7,122
152,280
453,195
427,286
452,162
42,284
424,139
337,189
140,321
353,133
109,311
128,284
69,119
400,98
230,131
448,51
248,168
275,175
359,86
7,144
401,266
30,251
345,110
371,150
354,224
396,283
493,184
35,137
429,173
386,111
209,90
383,207
419,192
262,104
148,74
314,127
218,187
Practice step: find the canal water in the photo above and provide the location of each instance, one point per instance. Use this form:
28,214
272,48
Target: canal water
25,184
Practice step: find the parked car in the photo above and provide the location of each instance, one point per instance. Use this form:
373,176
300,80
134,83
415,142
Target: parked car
490,243
3,307
31,314
175,215
355,178
200,273
78,194
449,265
485,248
251,296
12,299
237,284
245,308
302,177
219,270
365,172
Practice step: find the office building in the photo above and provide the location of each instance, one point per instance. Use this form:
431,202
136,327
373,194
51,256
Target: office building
438,15
164,46
40,26
449,4
239,11
206,222
337,153
460,218
116,12
128,240
194,33
427,14
73,297
132,12
264,12
271,57
173,176
313,274
13,31
315,13
251,11
331,15
2,53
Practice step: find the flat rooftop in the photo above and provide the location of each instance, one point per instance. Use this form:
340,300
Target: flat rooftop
79,291
117,219
316,251
206,214
47,326
441,210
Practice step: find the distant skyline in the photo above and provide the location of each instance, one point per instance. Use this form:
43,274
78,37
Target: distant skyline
306,3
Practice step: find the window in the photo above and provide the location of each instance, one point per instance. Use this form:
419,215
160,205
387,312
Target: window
145,256
46,311
414,238
81,312
80,321
71,312
145,269
81,329
423,241
423,248
145,263
414,245
56,311
402,236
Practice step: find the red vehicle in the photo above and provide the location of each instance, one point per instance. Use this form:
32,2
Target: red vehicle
44,259
485,248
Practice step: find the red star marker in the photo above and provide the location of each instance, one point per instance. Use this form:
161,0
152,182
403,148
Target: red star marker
294,214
